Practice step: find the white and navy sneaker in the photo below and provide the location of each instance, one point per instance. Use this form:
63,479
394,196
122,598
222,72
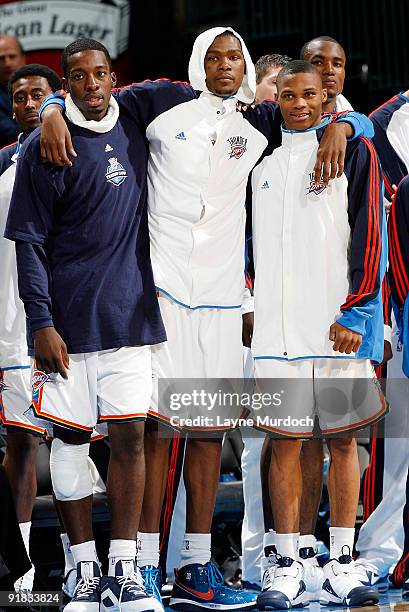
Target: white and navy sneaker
368,575
342,587
287,589
313,572
125,591
268,578
86,596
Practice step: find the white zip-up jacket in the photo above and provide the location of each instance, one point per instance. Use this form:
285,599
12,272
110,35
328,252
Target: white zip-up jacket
318,251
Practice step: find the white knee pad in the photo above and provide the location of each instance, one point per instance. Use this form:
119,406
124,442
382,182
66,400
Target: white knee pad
70,473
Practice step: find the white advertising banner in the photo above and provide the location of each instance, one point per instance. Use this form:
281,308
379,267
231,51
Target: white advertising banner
53,24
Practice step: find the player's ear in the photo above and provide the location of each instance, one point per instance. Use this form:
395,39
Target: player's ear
113,79
324,95
64,84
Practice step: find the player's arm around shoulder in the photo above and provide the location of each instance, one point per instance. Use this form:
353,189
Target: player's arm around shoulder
344,127
147,100
55,142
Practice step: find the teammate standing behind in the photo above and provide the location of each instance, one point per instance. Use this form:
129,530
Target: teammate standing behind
303,322
380,538
27,88
267,68
81,233
328,56
398,230
11,59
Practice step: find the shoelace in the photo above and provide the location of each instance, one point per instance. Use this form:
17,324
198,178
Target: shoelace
86,586
346,568
215,576
133,583
268,576
150,584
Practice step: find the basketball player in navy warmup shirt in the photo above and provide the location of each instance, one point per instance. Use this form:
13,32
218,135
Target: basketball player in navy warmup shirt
86,282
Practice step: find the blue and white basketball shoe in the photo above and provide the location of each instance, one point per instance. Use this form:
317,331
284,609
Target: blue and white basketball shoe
152,580
201,587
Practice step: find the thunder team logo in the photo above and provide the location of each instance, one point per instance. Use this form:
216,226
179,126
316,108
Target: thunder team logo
39,379
238,146
116,173
3,386
314,187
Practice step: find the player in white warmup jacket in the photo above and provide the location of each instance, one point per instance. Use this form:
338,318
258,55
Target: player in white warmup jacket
328,56
319,265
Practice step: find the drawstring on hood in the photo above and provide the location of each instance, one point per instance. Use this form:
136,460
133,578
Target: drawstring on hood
197,74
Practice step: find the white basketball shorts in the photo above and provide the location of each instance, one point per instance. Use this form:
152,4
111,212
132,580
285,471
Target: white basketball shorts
204,345
15,399
343,394
114,386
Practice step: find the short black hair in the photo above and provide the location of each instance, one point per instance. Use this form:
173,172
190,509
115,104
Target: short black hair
265,62
295,67
37,70
82,44
304,48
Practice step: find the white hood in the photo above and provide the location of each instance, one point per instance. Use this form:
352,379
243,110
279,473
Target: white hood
197,75
342,104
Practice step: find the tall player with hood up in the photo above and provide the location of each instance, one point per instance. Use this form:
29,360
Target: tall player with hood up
201,153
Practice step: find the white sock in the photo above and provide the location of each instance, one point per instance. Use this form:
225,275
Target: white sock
120,550
269,538
68,556
287,544
341,541
25,583
196,548
25,534
85,551
307,541
269,557
269,549
148,549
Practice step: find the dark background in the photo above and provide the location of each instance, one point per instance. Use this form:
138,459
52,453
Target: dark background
373,34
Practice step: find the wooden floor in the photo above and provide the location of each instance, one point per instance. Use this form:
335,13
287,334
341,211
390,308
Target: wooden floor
390,602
